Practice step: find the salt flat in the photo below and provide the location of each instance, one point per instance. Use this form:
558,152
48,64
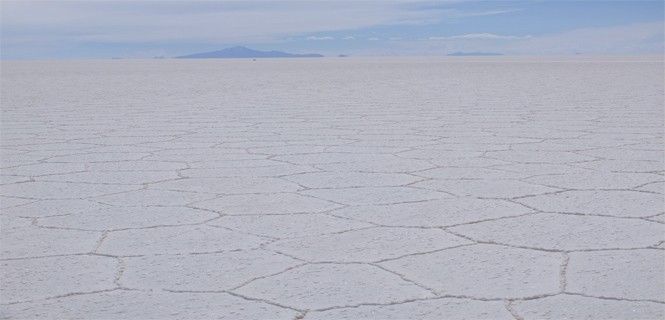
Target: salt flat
390,188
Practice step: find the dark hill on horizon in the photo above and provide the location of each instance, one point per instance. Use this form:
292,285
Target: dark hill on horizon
473,54
244,52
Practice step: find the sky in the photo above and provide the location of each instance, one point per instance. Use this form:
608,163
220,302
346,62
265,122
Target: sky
144,29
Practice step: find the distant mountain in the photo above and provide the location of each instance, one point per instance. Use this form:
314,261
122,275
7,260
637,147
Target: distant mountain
468,54
243,52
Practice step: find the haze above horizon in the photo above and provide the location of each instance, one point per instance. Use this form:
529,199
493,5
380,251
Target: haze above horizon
144,29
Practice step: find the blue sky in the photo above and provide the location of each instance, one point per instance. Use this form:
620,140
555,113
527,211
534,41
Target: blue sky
138,29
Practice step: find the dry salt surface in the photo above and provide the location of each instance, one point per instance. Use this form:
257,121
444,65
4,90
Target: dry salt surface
465,188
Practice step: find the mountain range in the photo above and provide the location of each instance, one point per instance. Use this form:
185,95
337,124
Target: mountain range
244,52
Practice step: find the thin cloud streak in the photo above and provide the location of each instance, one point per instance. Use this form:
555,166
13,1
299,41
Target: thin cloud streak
481,36
315,38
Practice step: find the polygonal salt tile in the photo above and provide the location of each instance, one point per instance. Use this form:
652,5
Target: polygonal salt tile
383,140
41,169
534,130
54,146
44,208
436,309
289,149
128,217
435,153
172,240
612,203
288,226
21,239
274,203
150,197
34,279
485,188
435,213
538,156
5,179
365,149
621,274
386,165
245,143
448,173
207,154
60,190
623,165
202,272
553,231
623,154
575,179
124,141
121,304
368,245
136,165
235,164
659,218
569,307
333,157
351,179
263,171
658,187
455,149
490,140
232,153
321,286
229,185
468,162
545,146
11,202
122,177
609,140
120,149
524,170
99,157
484,271
375,195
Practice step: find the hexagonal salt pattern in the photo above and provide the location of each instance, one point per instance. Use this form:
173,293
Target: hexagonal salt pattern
368,245
173,240
336,285
354,189
434,213
617,203
21,239
483,271
435,309
573,307
35,279
551,231
120,304
620,274
223,270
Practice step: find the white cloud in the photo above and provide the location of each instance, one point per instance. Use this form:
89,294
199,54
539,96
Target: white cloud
480,36
320,38
487,13
640,38
372,38
348,38
201,21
